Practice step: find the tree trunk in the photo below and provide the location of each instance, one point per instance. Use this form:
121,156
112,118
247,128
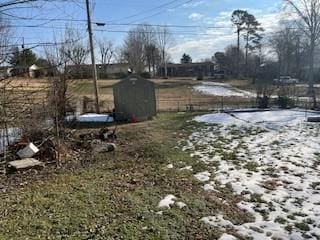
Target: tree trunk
311,91
280,66
149,64
238,57
247,49
153,64
165,64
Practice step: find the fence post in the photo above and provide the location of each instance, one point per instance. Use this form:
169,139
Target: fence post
222,103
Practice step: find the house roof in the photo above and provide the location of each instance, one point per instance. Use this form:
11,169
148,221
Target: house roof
34,67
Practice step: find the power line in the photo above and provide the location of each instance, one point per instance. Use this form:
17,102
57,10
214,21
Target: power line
115,31
126,24
146,11
43,44
155,14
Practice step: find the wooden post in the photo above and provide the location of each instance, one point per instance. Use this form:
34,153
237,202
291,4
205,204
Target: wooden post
93,60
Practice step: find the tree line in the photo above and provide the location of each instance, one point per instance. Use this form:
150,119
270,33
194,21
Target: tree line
289,51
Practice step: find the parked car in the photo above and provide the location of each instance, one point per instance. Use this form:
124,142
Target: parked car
285,80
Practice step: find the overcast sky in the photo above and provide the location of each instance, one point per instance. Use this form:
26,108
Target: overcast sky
201,42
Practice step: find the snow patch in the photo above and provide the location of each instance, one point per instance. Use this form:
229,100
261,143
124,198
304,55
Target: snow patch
203,176
181,204
189,168
227,237
167,201
169,166
217,221
209,187
273,118
221,89
273,155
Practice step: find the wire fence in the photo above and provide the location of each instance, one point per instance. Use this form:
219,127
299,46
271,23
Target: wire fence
223,104
86,105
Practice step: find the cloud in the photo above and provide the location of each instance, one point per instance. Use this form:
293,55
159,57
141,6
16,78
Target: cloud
196,16
202,48
206,42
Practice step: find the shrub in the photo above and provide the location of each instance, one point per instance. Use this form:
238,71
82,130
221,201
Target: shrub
263,102
284,102
200,77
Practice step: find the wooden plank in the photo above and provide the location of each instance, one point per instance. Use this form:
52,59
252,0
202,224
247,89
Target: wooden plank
25,164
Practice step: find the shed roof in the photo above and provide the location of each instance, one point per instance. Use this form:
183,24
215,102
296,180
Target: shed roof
34,67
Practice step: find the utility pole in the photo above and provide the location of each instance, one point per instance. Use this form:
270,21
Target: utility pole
93,60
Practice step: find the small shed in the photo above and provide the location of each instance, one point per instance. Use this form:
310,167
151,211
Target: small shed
134,99
34,71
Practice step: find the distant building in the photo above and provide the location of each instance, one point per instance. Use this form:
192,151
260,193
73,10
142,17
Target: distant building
34,71
8,71
206,69
117,70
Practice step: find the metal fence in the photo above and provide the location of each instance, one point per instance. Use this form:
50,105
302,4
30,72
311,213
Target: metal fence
201,104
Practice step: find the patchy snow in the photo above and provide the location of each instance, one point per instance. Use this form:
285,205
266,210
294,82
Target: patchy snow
203,176
221,89
167,201
93,117
271,159
272,118
219,118
169,166
189,168
217,221
181,204
227,237
209,187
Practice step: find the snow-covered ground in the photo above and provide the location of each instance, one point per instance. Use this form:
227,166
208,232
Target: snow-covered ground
272,160
221,89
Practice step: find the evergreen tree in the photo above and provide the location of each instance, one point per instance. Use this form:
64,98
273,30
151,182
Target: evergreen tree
22,58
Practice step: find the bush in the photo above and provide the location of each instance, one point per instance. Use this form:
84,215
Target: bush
146,75
263,102
285,102
200,77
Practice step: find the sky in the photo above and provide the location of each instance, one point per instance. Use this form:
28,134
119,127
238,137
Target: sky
212,18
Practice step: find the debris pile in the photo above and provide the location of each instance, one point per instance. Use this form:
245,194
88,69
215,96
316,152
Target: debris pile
34,151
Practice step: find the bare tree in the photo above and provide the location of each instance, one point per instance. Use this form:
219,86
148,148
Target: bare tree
134,48
232,59
107,53
287,44
13,3
74,49
309,14
164,40
150,48
153,57
4,40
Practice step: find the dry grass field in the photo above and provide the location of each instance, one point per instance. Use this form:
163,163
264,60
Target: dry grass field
172,94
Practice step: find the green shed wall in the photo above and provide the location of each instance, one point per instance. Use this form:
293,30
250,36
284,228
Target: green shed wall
134,97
